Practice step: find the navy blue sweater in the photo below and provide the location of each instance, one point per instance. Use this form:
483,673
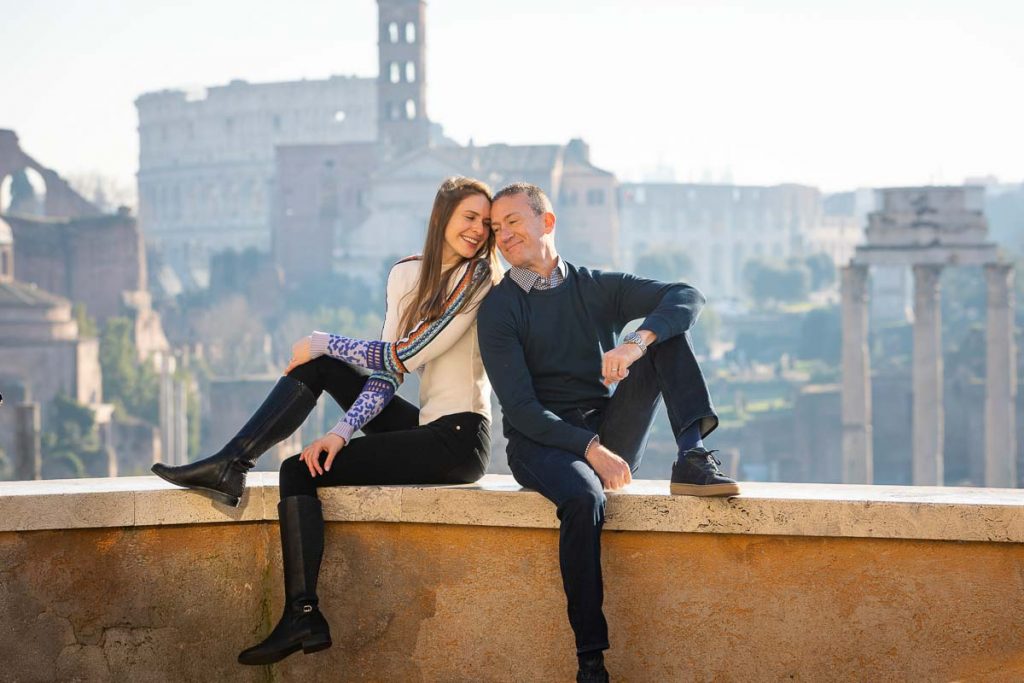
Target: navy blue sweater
542,349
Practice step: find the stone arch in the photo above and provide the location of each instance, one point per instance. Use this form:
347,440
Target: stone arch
59,199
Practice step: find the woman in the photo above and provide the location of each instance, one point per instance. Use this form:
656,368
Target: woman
429,327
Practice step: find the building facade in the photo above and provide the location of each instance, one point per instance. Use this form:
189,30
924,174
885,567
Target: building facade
341,207
720,227
206,163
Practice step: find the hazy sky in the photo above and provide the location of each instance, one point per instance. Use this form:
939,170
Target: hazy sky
834,93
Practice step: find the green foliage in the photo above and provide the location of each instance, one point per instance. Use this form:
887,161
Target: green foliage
234,337
86,325
333,290
821,335
666,265
72,442
822,271
772,281
132,386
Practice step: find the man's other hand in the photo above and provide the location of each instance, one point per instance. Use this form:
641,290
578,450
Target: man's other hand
615,364
611,469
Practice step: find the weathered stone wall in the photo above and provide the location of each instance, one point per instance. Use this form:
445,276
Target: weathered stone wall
470,600
89,260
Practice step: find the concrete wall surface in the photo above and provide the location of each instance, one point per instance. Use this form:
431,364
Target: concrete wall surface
130,580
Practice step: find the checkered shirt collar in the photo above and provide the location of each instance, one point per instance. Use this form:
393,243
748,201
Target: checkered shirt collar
529,280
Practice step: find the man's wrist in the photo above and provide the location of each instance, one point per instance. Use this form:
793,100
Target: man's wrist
641,339
648,336
594,443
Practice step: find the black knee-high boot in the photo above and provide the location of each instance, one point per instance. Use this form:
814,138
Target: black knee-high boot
223,475
302,626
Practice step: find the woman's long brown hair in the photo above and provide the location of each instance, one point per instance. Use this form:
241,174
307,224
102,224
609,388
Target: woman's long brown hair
432,291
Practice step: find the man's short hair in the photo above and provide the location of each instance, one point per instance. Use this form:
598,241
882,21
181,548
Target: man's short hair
538,201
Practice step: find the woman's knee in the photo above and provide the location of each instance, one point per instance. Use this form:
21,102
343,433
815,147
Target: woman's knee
294,478
310,374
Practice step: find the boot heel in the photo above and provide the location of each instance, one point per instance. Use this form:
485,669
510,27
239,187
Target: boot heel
163,472
316,644
222,497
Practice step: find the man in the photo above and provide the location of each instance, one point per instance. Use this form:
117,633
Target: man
547,337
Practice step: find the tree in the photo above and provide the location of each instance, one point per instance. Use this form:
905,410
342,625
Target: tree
106,192
768,280
667,265
86,324
235,338
821,335
71,447
133,386
822,270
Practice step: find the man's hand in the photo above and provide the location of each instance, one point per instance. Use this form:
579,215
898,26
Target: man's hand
332,443
301,353
615,364
611,469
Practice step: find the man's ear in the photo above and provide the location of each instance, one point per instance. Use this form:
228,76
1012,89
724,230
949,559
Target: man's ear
549,222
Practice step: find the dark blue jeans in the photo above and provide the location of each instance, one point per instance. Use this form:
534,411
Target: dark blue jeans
669,371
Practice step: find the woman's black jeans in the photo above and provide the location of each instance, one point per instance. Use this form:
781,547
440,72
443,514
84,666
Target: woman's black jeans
396,449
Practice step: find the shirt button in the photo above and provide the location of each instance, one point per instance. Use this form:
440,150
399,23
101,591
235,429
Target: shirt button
458,427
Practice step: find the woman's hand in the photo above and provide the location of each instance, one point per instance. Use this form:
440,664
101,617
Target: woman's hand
301,353
331,443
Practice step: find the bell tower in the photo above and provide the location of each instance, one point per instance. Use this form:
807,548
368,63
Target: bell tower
401,84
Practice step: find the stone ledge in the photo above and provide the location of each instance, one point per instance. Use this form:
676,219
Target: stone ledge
834,510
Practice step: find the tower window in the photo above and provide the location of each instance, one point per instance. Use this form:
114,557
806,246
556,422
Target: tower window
410,72
410,109
410,32
393,32
392,111
396,73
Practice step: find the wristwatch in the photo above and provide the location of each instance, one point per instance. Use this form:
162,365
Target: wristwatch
635,338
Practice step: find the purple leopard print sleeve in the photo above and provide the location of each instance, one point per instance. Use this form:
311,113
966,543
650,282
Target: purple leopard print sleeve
379,389
366,354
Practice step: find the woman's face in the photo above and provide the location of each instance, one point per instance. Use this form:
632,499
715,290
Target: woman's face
468,228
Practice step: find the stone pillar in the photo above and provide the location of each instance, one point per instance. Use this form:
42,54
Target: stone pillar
168,448
180,425
857,465
1000,380
28,461
927,378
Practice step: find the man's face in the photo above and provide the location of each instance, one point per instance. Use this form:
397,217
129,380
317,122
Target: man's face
519,231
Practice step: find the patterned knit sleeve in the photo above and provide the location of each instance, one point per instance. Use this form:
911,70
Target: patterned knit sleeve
378,391
426,341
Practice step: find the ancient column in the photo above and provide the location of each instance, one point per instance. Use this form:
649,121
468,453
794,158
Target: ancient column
927,378
28,461
168,450
856,396
1000,380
